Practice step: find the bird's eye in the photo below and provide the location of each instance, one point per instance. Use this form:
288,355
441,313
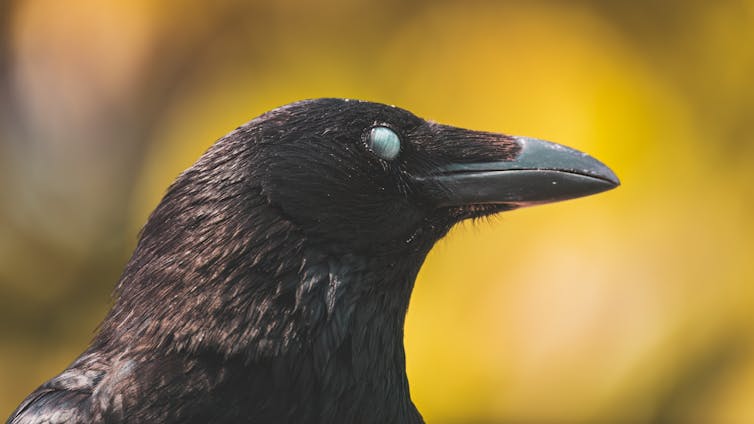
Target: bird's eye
384,142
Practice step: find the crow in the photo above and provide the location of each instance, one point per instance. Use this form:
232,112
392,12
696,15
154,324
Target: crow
271,283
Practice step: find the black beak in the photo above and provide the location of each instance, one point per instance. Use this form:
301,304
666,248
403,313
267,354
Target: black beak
542,172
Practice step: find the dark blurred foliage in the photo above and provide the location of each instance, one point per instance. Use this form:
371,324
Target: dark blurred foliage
632,306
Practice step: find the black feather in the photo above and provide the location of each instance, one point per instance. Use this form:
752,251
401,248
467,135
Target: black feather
271,283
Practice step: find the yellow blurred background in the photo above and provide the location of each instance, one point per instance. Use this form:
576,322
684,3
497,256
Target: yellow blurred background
633,306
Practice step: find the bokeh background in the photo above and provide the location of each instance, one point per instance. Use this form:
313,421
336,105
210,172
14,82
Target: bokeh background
633,306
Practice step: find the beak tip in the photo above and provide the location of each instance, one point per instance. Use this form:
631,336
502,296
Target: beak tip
544,154
609,176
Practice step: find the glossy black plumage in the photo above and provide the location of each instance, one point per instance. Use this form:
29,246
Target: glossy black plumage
271,283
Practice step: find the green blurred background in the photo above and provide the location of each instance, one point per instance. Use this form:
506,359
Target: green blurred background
633,306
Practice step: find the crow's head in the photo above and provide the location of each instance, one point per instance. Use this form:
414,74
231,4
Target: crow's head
315,210
371,176
290,249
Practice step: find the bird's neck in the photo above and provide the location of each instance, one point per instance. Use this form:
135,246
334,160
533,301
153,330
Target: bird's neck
331,321
357,347
332,317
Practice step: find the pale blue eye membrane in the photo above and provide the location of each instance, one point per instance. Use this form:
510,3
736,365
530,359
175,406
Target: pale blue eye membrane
384,142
